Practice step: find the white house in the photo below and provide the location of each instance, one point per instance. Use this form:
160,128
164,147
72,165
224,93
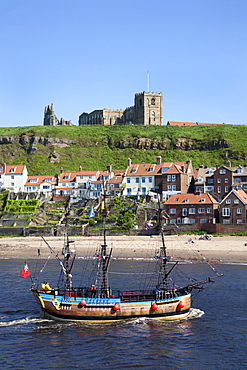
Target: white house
40,184
13,177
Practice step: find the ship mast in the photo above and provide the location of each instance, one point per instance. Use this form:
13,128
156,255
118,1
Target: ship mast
67,255
105,259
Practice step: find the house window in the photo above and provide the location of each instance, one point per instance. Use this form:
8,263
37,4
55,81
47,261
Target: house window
200,179
128,180
178,220
226,189
184,212
219,189
150,179
226,180
222,171
172,220
237,180
201,210
45,187
12,177
128,191
203,221
239,211
209,210
228,201
173,187
226,212
236,201
192,211
143,179
169,188
173,177
144,191
219,181
137,180
192,221
169,178
172,211
239,221
12,184
210,181
226,221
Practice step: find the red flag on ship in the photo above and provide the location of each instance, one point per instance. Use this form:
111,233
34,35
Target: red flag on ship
25,272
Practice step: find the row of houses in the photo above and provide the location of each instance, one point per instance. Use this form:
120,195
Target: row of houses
203,195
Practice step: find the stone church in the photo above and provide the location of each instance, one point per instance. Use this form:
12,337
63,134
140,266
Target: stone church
147,110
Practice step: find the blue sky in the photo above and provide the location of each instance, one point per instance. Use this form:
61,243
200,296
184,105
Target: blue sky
85,55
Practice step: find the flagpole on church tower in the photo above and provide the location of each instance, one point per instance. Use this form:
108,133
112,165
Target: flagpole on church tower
148,81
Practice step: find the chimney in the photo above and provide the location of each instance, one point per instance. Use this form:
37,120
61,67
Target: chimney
129,162
109,168
80,168
61,170
228,164
159,159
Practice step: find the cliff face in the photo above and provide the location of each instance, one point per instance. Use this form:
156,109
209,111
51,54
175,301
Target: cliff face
182,143
30,140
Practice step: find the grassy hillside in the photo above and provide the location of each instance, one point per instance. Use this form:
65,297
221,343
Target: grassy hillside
46,149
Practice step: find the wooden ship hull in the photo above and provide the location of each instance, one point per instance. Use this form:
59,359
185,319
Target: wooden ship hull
130,305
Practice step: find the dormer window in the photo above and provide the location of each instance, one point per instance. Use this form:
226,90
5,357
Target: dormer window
186,201
33,180
12,170
239,169
200,179
203,200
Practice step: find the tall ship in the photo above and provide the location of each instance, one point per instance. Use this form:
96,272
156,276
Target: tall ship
101,303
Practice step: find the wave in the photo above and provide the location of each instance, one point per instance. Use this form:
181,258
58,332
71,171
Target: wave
194,313
27,320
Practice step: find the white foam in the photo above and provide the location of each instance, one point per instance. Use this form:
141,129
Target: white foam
194,313
27,320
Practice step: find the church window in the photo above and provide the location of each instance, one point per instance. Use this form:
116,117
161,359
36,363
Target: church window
153,101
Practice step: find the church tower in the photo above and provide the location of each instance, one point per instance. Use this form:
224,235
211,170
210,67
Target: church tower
148,108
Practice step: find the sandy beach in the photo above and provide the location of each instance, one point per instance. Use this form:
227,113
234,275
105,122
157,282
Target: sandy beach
226,249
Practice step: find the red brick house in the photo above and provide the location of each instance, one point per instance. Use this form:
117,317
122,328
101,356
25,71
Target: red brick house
191,208
233,208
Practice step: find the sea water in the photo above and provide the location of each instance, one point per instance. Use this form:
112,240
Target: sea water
214,336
